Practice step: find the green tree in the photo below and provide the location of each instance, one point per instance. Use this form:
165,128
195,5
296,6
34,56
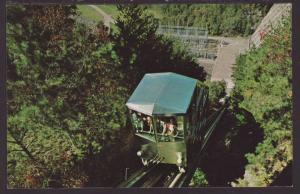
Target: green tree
199,179
217,90
65,100
142,51
219,19
263,79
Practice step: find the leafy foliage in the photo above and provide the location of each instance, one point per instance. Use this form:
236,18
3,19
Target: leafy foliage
219,19
217,90
263,87
142,51
199,179
66,103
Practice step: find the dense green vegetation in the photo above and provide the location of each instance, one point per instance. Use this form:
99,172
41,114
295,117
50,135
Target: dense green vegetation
217,90
67,87
219,19
137,43
199,179
65,99
252,145
263,80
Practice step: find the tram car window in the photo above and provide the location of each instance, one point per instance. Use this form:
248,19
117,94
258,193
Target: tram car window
165,109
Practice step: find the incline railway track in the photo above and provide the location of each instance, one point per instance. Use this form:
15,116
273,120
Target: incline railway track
157,175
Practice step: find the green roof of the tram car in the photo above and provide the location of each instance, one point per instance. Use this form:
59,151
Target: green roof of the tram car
164,94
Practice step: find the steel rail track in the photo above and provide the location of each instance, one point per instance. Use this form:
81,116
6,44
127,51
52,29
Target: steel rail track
138,176
158,175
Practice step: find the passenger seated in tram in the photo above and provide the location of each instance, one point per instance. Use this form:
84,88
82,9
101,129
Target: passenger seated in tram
149,125
160,125
169,128
137,121
146,124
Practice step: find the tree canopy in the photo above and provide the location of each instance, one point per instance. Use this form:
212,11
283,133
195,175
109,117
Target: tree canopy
142,51
65,99
219,19
263,79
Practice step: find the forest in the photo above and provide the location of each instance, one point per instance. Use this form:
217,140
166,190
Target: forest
254,145
218,19
67,86
263,80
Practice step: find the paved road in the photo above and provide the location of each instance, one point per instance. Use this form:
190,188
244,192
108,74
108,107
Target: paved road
107,19
227,54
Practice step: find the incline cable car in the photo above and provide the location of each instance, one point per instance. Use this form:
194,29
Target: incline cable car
168,111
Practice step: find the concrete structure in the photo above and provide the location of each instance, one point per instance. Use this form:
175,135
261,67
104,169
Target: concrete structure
271,20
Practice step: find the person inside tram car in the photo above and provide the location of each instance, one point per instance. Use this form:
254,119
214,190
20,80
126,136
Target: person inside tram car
160,125
169,128
140,122
149,125
135,121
